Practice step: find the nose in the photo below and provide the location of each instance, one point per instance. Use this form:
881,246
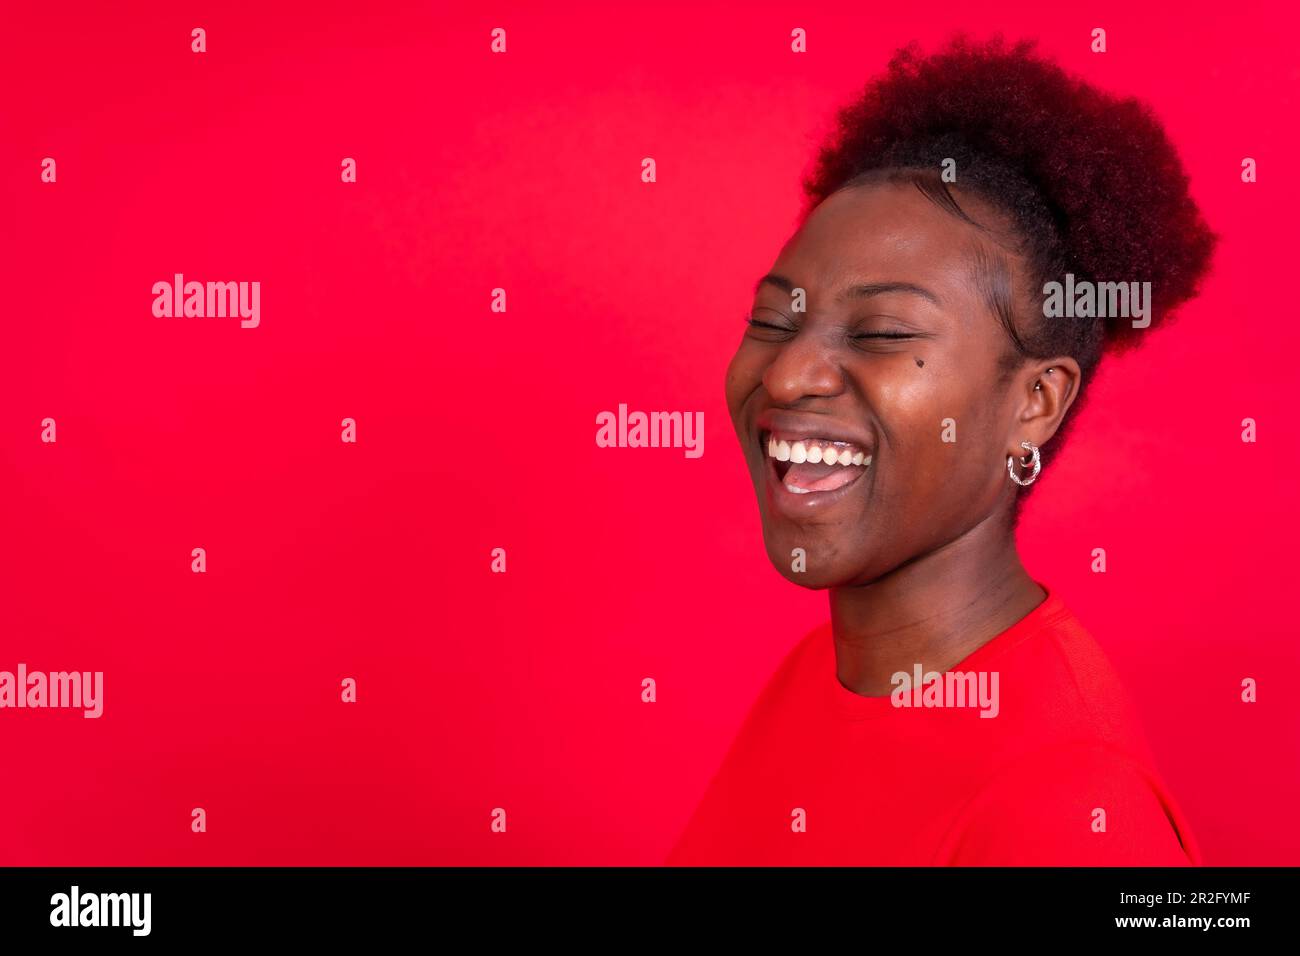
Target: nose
804,367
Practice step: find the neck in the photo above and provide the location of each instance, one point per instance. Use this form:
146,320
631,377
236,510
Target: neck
933,611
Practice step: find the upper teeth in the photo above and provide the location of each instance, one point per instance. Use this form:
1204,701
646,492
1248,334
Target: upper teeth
817,450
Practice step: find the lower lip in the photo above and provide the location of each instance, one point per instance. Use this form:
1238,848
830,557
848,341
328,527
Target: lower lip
792,505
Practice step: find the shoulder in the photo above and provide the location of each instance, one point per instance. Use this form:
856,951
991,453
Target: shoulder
1059,681
789,689
763,733
799,666
1081,803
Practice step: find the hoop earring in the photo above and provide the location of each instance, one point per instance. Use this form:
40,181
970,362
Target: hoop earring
1037,463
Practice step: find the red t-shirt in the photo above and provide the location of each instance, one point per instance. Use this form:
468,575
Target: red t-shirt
1061,775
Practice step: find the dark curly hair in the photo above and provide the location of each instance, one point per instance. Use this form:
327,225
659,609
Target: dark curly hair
1089,181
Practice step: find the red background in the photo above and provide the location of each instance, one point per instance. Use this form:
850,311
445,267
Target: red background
476,429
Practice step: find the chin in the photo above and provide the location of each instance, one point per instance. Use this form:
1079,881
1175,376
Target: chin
816,575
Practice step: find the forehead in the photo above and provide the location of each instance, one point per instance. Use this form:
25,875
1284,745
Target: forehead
882,233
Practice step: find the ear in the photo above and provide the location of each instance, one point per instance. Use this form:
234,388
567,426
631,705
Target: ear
1044,391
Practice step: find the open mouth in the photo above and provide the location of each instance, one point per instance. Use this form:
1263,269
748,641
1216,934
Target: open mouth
809,465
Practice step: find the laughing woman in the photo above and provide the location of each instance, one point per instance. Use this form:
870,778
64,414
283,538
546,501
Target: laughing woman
900,388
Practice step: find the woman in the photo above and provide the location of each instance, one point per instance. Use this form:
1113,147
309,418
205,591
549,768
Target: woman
902,380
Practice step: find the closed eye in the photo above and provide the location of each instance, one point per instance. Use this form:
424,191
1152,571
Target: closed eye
769,331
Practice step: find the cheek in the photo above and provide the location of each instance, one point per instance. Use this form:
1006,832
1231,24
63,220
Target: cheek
744,374
913,407
935,426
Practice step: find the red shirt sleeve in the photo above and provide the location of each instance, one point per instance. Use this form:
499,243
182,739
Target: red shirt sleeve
1082,805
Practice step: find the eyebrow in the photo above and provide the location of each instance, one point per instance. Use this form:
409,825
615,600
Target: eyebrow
865,290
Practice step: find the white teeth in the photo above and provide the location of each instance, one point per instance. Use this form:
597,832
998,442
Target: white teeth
799,491
816,451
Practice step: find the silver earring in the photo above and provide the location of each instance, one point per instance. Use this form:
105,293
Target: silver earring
1037,463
